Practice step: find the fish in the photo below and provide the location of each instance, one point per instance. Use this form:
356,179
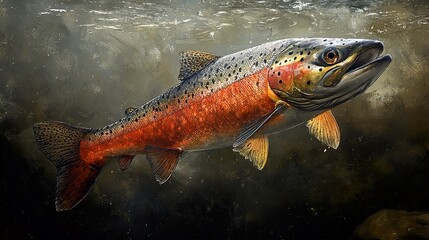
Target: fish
234,100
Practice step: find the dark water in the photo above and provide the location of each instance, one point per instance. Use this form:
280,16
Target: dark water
85,62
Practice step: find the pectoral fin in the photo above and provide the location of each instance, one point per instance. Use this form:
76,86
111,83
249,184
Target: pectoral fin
256,150
125,162
252,128
162,161
325,128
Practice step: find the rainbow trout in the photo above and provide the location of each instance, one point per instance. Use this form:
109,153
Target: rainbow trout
235,100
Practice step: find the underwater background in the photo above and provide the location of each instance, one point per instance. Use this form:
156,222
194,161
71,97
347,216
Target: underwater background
85,62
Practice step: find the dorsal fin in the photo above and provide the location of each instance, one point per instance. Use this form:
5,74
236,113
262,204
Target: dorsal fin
193,61
129,110
325,128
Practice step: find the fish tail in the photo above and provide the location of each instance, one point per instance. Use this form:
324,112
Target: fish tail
60,143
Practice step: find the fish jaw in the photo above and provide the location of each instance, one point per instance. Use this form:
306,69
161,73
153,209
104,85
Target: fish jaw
332,72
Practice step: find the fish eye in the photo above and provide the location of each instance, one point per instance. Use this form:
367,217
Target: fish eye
331,56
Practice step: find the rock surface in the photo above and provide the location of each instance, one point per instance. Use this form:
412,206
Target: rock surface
389,224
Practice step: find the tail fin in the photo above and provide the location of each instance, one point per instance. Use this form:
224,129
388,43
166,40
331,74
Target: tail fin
60,143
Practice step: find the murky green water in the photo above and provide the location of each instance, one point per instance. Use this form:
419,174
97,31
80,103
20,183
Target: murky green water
85,62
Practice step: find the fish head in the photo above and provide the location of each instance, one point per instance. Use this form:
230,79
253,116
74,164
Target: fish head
317,74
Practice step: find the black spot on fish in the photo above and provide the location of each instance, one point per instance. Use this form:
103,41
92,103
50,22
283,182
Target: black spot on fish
111,131
325,40
257,83
239,69
308,53
213,81
256,64
276,62
308,67
265,60
233,58
291,52
294,58
186,91
320,69
122,126
300,53
211,90
229,74
136,120
279,73
192,95
302,60
251,57
280,81
308,82
178,100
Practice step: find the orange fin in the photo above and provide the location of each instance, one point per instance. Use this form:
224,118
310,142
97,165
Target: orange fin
325,128
60,143
253,127
255,149
192,62
125,162
162,161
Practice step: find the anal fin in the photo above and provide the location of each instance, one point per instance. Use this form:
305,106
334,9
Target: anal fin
162,161
125,162
325,128
256,150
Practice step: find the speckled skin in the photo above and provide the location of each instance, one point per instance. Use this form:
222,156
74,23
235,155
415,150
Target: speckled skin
205,111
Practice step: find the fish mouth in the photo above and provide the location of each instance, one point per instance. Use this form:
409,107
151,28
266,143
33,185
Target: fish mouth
358,75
